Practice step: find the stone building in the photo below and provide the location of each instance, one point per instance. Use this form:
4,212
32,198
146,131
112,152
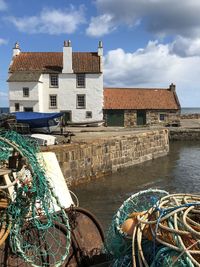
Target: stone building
131,107
67,81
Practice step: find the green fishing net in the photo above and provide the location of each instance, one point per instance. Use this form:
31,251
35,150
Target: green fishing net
39,234
116,242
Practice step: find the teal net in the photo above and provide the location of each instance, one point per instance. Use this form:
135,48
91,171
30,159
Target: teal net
38,234
116,242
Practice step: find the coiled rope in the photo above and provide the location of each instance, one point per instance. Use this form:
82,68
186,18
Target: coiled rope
174,223
155,229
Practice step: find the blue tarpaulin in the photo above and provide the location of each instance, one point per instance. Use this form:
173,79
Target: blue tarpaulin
37,119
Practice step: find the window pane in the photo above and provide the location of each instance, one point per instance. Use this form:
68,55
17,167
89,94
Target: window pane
80,101
54,80
88,114
162,117
80,79
53,101
26,92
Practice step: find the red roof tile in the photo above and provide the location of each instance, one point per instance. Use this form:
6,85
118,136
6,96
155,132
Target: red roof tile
132,98
82,62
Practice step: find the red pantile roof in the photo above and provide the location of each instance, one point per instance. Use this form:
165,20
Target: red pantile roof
82,62
135,98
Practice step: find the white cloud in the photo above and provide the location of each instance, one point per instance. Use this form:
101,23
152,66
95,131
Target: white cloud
159,17
3,41
100,25
186,47
3,5
51,21
154,66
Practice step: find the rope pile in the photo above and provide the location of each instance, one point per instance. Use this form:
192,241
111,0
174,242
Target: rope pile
165,234
35,224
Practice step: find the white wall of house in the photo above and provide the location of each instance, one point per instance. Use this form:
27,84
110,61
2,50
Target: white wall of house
67,96
66,92
16,95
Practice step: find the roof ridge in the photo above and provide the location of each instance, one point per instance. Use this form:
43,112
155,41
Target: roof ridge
135,88
38,52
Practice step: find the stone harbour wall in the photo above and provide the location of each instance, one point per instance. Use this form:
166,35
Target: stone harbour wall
184,134
190,116
83,161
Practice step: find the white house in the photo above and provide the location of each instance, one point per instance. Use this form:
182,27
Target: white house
71,82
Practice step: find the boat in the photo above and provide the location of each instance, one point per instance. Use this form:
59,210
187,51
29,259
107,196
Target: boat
41,221
86,123
40,122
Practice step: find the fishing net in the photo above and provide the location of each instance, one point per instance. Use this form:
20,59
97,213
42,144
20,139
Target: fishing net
39,234
116,242
165,230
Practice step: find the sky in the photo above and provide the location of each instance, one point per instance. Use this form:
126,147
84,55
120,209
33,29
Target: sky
147,43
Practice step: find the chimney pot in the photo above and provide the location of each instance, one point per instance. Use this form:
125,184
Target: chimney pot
16,49
17,45
100,44
67,43
172,87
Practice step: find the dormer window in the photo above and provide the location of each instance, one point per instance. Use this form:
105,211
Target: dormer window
53,80
80,80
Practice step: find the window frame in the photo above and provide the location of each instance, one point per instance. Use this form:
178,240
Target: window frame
77,101
83,77
87,116
50,80
50,101
162,114
24,91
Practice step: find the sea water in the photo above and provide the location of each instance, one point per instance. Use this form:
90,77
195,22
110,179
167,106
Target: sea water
190,110
179,171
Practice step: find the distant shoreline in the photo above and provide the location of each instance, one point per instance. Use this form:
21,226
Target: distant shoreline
190,110
184,110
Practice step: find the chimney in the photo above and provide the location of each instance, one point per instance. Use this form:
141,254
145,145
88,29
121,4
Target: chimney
100,54
16,49
172,87
67,57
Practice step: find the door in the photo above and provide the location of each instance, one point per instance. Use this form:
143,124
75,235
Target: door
115,118
141,117
67,116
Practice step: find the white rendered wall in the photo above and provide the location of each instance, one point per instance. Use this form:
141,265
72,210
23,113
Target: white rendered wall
66,96
16,95
67,93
